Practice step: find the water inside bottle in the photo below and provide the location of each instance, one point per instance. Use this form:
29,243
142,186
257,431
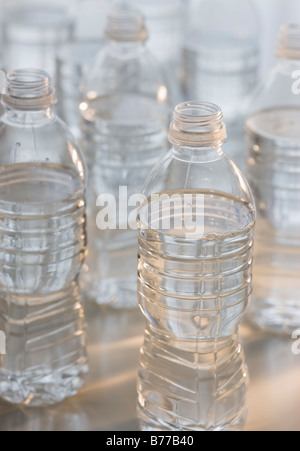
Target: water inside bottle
124,136
224,70
273,168
42,246
193,293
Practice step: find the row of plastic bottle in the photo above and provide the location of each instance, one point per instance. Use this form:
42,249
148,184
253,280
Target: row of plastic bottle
193,293
125,113
219,65
194,282
193,43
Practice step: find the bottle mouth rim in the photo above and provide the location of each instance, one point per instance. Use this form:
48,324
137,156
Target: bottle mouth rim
126,25
289,41
198,124
29,89
197,111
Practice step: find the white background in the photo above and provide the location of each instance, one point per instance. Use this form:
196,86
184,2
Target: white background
273,14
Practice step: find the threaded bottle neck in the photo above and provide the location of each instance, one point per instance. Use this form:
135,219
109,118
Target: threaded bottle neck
198,124
289,42
126,25
29,89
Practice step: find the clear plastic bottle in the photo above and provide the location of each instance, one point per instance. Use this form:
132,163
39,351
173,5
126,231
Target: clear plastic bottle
42,247
221,61
125,114
166,21
71,61
32,32
273,136
195,280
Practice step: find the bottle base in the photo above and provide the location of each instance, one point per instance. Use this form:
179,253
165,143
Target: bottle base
192,385
41,389
277,317
147,424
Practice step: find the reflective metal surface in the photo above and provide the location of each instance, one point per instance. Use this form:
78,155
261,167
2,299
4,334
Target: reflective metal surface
108,401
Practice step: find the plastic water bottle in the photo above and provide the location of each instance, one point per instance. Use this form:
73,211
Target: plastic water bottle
221,61
195,280
71,61
274,173
42,247
32,33
166,21
125,115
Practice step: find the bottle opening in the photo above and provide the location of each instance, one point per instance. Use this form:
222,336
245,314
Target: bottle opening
29,89
126,25
198,124
289,41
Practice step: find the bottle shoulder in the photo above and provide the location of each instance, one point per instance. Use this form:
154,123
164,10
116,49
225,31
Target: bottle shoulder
214,171
134,70
279,89
47,140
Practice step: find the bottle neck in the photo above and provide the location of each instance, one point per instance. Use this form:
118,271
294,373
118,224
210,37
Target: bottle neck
198,128
288,47
196,155
126,48
29,96
288,63
126,29
28,117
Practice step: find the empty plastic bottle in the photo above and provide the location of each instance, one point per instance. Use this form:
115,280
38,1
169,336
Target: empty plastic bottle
221,61
125,114
32,32
42,247
195,280
273,135
166,21
71,61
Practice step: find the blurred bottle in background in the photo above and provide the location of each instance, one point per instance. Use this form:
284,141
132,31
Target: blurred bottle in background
166,21
195,280
71,61
221,60
90,18
42,247
124,118
32,32
273,141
